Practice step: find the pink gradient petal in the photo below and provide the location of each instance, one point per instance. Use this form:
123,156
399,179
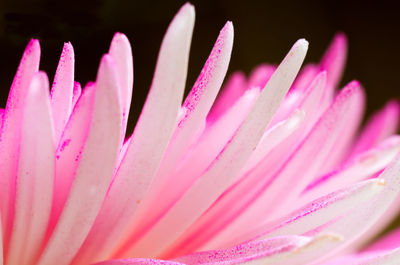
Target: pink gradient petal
11,133
230,92
260,251
354,224
388,242
139,262
381,125
34,183
196,107
76,94
306,76
360,167
69,151
228,163
260,75
62,90
327,208
266,182
334,59
121,52
91,181
147,144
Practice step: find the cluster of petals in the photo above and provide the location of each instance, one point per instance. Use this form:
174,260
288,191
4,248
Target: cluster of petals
272,169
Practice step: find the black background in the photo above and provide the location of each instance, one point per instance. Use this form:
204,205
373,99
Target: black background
264,31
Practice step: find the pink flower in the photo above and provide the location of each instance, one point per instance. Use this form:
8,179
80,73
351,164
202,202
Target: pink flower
273,170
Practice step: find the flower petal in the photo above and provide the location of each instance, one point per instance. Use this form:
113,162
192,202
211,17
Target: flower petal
91,181
121,52
233,89
381,125
334,59
10,135
147,144
69,151
34,183
77,93
196,107
62,90
139,262
259,189
228,163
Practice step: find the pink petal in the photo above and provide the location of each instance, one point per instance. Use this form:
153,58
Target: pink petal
381,125
69,151
267,181
34,183
306,76
196,107
225,167
139,262
334,59
354,224
62,90
327,208
360,167
91,181
261,251
260,75
388,242
11,131
77,93
120,51
233,89
147,144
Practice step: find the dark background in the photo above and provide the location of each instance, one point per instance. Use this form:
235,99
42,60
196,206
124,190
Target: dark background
264,31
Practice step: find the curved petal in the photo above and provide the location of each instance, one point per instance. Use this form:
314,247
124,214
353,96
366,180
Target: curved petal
11,133
224,168
91,181
34,183
147,144
62,90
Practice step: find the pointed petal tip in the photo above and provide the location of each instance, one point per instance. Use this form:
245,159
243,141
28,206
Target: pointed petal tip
301,44
119,36
340,38
33,45
39,82
187,10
